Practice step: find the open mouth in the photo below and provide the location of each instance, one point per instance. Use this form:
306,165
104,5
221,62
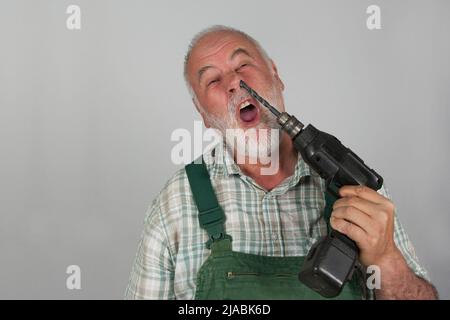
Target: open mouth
248,112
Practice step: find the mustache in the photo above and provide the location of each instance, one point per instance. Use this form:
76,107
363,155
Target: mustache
236,99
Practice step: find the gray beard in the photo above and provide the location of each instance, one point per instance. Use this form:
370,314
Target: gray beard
253,143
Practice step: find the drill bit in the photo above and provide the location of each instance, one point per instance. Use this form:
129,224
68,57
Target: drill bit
253,93
288,123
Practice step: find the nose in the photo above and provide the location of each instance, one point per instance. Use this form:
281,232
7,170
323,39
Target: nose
233,83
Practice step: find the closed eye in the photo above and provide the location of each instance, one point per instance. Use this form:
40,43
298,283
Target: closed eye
213,81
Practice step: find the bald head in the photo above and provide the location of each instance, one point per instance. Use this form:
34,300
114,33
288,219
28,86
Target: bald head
211,35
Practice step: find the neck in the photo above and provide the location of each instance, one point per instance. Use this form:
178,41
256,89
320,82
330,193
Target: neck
287,160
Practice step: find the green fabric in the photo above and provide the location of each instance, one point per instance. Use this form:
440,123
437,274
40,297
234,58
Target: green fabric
227,274
211,216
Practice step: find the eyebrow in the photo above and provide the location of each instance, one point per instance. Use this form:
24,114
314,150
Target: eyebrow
239,51
233,55
202,71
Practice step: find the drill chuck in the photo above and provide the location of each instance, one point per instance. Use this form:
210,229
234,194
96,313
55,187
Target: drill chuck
290,124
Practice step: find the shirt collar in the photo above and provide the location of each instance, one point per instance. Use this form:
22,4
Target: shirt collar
220,162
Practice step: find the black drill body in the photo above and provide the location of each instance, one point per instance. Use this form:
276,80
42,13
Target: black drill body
332,260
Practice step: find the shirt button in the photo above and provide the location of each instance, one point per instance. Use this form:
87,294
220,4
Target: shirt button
274,236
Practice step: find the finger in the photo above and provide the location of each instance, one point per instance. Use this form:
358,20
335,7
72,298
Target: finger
362,192
351,230
366,206
357,217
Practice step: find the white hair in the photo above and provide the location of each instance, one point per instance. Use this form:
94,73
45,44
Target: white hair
214,29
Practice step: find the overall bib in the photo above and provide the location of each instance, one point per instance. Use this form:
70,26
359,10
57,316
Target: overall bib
227,274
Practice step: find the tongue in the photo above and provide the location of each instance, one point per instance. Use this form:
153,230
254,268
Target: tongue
248,114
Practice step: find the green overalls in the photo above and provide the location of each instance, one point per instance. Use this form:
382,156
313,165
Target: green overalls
227,274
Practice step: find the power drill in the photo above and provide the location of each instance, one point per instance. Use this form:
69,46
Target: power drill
331,261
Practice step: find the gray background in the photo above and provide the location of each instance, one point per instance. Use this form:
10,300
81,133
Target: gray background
86,118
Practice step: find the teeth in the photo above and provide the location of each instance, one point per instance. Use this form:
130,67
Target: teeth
244,104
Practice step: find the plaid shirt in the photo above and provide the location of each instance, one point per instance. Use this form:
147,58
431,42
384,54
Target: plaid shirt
276,223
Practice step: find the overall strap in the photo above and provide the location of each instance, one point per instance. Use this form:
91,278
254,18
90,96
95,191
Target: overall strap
211,216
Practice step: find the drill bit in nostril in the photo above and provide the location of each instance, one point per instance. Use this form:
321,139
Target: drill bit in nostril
253,93
288,123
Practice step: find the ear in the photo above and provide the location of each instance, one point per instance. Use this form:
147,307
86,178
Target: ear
202,113
275,74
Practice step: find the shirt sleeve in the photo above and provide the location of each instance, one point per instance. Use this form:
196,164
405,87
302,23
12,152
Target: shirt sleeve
404,244
152,273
